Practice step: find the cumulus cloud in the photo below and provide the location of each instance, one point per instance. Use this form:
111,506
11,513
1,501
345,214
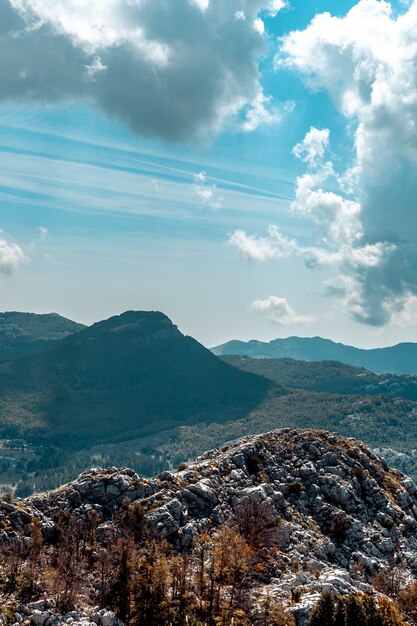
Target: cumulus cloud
11,255
312,148
260,111
176,70
340,244
367,62
279,311
275,245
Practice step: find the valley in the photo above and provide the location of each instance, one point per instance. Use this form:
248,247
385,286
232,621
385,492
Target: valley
103,396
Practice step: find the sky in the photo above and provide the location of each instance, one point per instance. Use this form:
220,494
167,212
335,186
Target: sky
247,167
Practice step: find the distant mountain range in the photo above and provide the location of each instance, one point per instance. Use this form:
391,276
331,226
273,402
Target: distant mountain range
24,333
399,359
135,380
125,377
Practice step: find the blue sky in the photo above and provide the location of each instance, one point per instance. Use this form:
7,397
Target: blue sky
103,211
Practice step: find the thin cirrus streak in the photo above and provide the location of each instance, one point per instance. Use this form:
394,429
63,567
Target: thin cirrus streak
86,187
159,166
84,169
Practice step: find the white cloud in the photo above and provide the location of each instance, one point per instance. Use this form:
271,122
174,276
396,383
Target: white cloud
274,246
367,62
340,244
95,67
177,79
240,15
207,193
11,256
259,26
200,177
260,112
43,233
201,4
313,146
275,6
279,311
336,216
407,312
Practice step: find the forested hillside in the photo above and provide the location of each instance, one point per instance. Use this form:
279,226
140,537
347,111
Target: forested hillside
328,376
24,333
122,378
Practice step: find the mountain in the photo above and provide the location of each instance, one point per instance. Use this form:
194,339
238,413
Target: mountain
128,376
328,376
259,528
399,359
24,333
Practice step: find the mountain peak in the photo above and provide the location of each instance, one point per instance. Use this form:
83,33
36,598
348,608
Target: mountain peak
139,323
131,375
327,511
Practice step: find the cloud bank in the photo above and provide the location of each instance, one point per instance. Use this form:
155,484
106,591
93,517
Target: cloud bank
176,70
365,217
367,62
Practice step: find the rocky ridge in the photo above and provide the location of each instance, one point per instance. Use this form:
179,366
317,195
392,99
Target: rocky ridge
340,512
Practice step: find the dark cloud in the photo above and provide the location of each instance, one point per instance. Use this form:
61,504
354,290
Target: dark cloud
168,69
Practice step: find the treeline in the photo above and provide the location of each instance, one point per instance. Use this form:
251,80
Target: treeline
216,581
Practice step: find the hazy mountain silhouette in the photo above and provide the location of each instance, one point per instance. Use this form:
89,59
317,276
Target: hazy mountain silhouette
399,359
23,333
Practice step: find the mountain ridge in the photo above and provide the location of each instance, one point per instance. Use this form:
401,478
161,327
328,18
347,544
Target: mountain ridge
398,359
132,374
328,376
24,333
301,512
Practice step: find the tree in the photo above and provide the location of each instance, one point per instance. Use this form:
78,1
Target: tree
390,580
275,614
233,561
31,577
407,602
150,584
258,522
355,610
65,577
323,613
116,589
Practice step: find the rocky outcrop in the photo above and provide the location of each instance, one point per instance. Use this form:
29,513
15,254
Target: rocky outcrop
41,614
336,505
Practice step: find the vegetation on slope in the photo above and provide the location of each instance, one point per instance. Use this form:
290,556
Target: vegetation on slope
144,581
328,376
137,389
381,422
246,536
128,376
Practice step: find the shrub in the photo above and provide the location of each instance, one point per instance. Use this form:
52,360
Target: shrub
407,602
355,610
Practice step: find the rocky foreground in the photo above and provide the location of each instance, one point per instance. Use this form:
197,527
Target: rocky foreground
334,511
